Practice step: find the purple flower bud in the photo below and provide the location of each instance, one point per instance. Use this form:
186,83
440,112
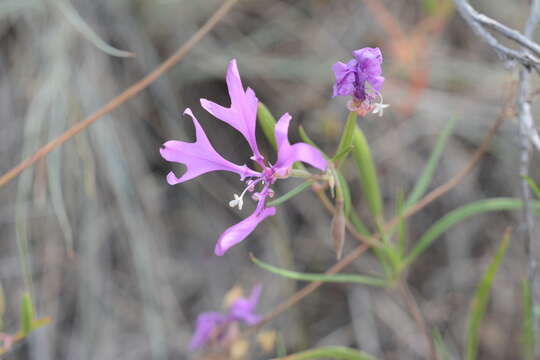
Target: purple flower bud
351,80
212,326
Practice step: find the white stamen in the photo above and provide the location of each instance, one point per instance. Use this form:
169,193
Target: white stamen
379,107
238,201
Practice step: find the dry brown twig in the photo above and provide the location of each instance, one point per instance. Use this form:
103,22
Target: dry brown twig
123,97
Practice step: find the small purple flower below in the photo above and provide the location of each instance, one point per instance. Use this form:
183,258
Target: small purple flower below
215,326
200,157
352,79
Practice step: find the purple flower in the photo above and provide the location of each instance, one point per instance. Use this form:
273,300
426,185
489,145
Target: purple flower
351,79
207,327
243,309
200,157
214,325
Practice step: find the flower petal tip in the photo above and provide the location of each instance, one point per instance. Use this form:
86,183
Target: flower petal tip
172,179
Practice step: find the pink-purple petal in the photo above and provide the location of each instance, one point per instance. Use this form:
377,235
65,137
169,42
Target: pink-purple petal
242,114
244,308
199,157
289,154
241,230
208,325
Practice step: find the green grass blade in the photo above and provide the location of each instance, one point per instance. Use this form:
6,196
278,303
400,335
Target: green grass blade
267,122
527,334
424,180
458,215
345,191
345,143
27,314
73,17
358,224
297,190
440,346
480,299
533,186
368,174
331,352
281,347
336,278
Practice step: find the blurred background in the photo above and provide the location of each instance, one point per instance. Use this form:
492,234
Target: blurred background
123,262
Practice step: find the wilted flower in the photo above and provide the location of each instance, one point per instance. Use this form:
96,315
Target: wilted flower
200,157
215,326
354,77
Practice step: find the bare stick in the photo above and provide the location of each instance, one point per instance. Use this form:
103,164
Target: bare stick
123,97
523,104
414,309
476,21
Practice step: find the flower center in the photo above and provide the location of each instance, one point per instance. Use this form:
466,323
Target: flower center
266,178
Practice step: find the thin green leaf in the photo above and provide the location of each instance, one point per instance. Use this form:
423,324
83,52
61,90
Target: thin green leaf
297,190
73,17
344,188
281,347
424,180
440,346
41,322
368,174
458,215
268,123
346,139
336,278
402,225
332,352
480,299
358,224
527,334
336,159
27,314
533,186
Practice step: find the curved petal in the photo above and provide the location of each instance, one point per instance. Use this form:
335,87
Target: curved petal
242,114
208,324
289,154
240,231
199,157
344,80
243,309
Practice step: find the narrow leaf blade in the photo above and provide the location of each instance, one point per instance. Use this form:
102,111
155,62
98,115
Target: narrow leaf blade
345,143
481,297
424,180
27,314
333,352
287,196
527,335
368,174
458,215
268,123
336,278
